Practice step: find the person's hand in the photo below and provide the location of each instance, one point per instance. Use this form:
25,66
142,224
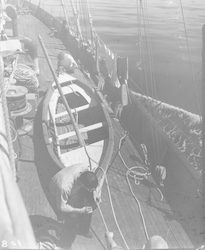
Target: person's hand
97,197
60,70
109,240
109,235
87,210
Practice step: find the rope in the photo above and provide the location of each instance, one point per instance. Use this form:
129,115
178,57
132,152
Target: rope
64,11
141,176
113,211
103,219
138,176
84,19
90,21
98,238
140,209
6,120
152,78
190,59
15,133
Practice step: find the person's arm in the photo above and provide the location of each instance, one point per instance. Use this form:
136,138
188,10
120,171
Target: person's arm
97,193
61,202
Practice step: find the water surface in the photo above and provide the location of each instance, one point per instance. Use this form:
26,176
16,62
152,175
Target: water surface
162,62
176,76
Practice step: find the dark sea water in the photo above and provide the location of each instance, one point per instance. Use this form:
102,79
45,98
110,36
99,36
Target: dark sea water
163,40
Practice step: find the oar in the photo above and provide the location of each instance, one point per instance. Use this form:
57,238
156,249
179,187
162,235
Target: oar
61,92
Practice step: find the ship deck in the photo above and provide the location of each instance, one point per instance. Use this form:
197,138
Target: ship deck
35,171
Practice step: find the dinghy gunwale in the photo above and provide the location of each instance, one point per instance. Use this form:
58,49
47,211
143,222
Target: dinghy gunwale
108,142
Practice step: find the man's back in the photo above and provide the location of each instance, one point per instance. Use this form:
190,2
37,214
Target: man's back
64,184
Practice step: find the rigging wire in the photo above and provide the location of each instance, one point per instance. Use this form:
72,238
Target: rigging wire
153,81
146,77
64,11
190,59
90,22
82,6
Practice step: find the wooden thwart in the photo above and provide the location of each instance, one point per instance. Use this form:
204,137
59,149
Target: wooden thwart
82,130
81,108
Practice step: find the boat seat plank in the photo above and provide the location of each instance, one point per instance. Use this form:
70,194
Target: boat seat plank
91,137
82,130
64,113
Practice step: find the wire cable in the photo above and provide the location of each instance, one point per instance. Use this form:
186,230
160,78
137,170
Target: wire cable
190,59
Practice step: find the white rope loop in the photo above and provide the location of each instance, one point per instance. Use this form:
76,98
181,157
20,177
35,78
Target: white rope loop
139,173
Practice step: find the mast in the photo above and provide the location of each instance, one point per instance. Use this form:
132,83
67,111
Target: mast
202,184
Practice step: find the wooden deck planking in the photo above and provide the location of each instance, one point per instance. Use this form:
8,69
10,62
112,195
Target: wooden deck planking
174,226
120,184
126,208
33,194
156,218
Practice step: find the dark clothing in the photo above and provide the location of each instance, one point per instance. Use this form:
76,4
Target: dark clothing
82,221
30,47
64,186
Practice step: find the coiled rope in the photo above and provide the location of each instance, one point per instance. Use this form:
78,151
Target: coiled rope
6,120
25,76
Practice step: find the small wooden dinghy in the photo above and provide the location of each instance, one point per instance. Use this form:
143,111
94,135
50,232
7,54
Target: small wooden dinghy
92,120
